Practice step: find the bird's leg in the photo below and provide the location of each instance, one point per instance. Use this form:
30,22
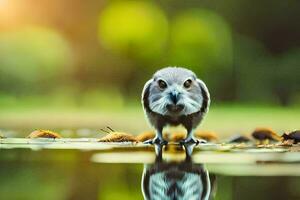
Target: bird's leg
190,139
158,152
158,139
188,151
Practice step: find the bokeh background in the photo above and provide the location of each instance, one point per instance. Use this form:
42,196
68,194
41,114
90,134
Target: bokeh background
82,64
76,66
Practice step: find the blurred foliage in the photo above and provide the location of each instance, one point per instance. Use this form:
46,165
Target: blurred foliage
134,28
285,81
245,52
33,59
263,77
65,99
200,39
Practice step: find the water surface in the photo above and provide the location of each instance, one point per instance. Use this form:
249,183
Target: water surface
85,169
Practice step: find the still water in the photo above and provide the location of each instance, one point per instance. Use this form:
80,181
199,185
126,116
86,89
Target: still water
48,170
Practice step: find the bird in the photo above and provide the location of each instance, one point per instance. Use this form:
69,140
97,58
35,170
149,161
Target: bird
175,96
238,139
265,135
294,136
183,180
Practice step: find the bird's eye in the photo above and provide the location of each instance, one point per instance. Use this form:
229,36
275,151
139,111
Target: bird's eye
162,84
187,83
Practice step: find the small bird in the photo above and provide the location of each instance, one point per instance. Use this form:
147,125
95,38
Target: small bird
44,134
294,136
209,136
175,96
238,139
264,135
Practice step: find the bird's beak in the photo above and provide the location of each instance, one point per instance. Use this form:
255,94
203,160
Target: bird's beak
174,96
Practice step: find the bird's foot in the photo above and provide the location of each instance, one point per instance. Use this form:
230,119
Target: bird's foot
156,141
193,141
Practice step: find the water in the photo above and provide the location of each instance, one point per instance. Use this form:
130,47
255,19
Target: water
86,169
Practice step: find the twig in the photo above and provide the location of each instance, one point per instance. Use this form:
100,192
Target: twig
105,131
110,129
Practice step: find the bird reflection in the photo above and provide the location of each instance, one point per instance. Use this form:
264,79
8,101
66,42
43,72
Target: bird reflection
182,180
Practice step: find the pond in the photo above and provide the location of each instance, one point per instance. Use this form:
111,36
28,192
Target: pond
86,169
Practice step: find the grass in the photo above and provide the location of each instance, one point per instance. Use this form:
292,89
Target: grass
244,118
224,119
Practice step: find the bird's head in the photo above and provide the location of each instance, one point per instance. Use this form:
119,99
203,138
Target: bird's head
176,91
